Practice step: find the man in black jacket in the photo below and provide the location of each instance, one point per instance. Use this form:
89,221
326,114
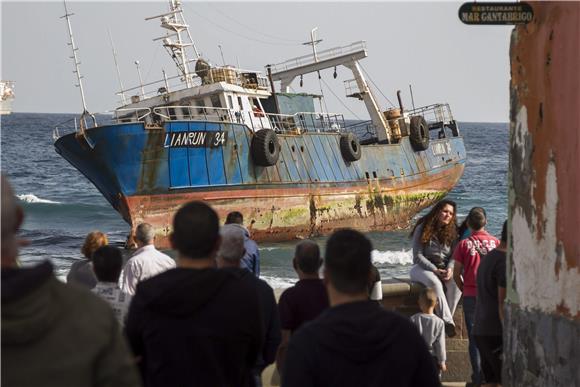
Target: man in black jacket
196,325
229,257
356,342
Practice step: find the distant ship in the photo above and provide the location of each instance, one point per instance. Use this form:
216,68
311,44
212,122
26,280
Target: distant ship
6,97
226,136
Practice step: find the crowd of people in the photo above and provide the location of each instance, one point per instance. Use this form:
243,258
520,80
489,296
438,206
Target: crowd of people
207,319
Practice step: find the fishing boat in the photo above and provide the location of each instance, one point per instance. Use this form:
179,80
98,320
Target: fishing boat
231,138
6,97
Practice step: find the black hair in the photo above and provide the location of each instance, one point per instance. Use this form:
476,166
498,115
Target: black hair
195,230
307,256
107,263
476,218
348,261
235,217
504,232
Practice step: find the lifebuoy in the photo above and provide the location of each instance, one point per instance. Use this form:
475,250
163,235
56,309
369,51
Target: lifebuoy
350,147
265,148
419,133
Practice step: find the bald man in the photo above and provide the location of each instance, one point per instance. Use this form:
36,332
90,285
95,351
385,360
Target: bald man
54,334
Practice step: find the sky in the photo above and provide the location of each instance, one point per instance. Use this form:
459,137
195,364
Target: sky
419,43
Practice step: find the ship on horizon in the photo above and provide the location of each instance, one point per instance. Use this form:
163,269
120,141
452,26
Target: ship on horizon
6,97
229,137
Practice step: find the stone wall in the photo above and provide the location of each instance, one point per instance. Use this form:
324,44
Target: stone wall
543,306
400,295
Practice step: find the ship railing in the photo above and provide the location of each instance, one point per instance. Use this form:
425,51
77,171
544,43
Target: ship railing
320,122
320,56
365,131
436,115
123,115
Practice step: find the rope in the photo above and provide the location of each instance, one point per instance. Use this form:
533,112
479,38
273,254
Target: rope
295,42
376,87
341,102
235,32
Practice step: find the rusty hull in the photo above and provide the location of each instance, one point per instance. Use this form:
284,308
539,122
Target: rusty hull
298,213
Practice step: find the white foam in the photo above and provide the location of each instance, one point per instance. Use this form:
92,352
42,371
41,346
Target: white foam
278,282
403,257
31,198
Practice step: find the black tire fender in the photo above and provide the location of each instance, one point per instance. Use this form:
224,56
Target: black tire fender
419,133
350,147
265,148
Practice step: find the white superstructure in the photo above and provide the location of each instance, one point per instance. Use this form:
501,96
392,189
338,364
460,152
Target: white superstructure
6,96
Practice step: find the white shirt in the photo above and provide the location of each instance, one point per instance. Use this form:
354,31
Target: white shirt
119,301
145,263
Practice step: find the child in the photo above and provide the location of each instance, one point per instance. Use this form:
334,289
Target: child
431,327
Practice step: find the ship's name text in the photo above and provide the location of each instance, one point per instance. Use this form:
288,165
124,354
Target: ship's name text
195,139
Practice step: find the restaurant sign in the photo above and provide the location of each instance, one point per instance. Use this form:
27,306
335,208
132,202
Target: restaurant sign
496,13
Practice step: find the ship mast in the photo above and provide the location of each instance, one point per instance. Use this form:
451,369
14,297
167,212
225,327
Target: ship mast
175,42
77,64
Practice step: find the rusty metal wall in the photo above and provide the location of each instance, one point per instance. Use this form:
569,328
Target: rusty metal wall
543,310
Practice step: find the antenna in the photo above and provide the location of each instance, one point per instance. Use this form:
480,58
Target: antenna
174,21
140,78
117,67
313,42
75,59
222,54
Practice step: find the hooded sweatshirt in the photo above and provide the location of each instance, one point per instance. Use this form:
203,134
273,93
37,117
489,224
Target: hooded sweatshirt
55,334
358,344
196,327
251,259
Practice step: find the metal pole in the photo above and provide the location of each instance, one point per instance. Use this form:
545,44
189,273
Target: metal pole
412,100
77,69
117,67
222,54
140,79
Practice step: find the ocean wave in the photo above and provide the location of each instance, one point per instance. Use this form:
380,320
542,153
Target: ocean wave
278,282
403,257
31,198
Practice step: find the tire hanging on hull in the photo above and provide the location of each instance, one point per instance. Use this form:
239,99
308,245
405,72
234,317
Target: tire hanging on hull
265,148
419,133
350,147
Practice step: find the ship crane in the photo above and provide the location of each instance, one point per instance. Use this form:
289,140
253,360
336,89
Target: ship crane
347,56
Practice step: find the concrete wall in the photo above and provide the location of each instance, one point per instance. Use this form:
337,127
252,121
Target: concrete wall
543,310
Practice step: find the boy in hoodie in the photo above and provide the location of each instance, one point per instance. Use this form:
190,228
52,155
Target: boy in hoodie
229,257
251,259
196,325
355,342
431,327
54,334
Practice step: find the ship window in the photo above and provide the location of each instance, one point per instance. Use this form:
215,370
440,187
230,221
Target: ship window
215,101
240,105
230,102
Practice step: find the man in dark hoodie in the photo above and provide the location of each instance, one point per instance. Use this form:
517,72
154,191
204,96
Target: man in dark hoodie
195,325
251,259
228,257
54,334
356,342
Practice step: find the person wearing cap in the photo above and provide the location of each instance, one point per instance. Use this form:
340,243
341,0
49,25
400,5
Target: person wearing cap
229,257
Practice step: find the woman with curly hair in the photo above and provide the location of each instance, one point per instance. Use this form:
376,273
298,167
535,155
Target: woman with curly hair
81,272
434,237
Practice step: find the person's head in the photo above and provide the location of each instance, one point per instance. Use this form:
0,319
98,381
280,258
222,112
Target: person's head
427,299
195,231
440,222
235,217
504,233
476,219
93,241
232,248
12,218
107,263
348,262
307,258
144,234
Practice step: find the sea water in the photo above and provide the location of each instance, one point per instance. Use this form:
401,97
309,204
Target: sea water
62,206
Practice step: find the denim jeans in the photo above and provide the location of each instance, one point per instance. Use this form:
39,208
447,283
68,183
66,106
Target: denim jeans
469,314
